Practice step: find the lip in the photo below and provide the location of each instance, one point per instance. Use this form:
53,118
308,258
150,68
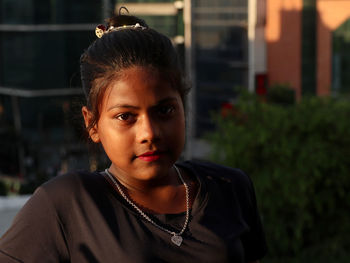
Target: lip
150,156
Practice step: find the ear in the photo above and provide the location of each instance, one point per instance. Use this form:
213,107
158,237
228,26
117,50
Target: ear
93,133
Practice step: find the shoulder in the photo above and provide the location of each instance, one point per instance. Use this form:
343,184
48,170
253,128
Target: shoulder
66,191
231,183
71,182
218,172
61,195
46,216
239,193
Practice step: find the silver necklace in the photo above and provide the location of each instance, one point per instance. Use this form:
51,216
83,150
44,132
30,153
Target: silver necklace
176,238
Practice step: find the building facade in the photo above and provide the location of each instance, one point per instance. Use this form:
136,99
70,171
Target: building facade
308,45
40,46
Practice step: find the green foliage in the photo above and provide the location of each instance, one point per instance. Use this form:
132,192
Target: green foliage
9,186
3,188
14,185
299,159
281,94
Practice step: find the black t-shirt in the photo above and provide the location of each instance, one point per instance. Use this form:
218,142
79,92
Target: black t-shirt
79,217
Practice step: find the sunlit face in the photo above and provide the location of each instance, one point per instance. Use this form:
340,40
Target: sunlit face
141,125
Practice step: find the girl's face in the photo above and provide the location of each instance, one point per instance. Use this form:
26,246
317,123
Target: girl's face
141,125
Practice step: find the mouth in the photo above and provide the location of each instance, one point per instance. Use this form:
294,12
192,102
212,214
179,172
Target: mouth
150,156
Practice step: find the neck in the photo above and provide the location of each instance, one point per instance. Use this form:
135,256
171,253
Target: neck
146,187
166,194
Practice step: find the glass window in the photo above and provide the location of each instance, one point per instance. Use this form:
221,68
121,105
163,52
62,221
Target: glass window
221,3
221,67
16,12
145,1
41,60
341,59
50,12
40,49
166,25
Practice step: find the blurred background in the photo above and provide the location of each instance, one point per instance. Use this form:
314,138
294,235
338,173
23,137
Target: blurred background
270,95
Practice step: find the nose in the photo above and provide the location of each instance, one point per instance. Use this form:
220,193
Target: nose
148,130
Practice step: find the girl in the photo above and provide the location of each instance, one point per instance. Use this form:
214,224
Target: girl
144,207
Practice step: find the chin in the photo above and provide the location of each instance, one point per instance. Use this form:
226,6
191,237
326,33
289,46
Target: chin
151,173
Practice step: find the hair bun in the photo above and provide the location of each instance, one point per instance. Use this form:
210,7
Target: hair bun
124,19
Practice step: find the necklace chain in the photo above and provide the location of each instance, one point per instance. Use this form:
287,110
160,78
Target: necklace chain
176,237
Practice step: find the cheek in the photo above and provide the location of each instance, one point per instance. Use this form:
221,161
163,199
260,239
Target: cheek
114,141
177,132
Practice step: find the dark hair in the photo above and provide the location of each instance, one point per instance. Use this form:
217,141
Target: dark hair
121,49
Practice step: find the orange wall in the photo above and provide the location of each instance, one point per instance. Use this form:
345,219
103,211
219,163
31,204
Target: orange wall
283,37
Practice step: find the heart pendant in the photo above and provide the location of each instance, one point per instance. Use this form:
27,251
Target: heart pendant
177,240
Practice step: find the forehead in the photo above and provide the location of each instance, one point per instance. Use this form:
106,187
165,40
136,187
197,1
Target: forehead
139,85
137,74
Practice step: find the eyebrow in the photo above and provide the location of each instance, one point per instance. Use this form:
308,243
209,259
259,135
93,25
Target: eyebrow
127,106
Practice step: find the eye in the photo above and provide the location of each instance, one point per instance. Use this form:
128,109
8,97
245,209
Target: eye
126,117
166,110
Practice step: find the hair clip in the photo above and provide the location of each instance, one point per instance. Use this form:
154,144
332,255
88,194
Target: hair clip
101,29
